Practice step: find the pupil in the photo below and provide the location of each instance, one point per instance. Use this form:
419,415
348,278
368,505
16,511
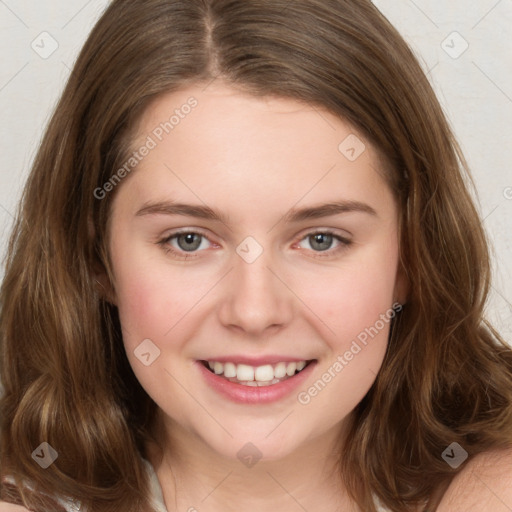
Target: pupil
321,241
189,241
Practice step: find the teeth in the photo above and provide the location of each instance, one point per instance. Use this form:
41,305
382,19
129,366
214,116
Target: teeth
244,372
280,370
265,375
229,370
290,369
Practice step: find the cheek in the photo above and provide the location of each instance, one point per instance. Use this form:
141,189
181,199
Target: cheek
151,297
355,303
140,308
351,298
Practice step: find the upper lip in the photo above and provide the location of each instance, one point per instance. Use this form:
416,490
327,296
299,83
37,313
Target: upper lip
256,361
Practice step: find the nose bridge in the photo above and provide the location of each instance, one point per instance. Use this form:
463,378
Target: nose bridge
255,299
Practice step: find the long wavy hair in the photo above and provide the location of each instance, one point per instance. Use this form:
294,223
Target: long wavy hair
447,374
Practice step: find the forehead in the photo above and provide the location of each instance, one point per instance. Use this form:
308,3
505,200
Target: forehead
217,138
220,116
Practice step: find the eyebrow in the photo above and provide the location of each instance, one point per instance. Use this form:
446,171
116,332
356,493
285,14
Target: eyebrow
328,209
294,215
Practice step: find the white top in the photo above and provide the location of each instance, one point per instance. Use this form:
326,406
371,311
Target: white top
156,494
156,491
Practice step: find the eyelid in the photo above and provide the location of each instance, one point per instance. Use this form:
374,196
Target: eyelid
321,229
337,233
185,231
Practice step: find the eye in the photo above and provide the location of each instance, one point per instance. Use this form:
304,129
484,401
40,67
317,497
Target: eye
188,242
324,241
320,241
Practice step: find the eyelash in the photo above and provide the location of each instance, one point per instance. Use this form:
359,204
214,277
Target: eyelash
344,243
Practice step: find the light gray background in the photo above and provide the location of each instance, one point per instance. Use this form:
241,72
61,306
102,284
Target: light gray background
474,88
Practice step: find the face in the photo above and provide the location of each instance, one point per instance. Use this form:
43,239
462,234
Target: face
257,237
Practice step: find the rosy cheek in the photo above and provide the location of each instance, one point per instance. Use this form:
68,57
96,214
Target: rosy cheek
352,302
137,293
152,300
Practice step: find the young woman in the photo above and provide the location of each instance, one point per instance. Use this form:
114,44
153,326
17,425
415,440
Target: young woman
247,273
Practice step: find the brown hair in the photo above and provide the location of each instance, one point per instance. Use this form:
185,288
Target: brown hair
447,375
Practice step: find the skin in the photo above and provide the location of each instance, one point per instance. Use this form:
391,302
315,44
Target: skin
253,160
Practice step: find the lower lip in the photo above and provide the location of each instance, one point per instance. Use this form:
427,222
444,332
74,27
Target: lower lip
251,394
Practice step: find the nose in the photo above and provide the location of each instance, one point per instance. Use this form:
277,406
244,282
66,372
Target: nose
255,300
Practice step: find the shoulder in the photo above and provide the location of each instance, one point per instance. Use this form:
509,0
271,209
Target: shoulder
9,507
485,484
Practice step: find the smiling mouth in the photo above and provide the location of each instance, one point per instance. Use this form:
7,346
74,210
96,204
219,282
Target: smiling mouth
265,375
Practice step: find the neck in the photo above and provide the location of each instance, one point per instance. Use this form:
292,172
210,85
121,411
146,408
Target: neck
194,477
